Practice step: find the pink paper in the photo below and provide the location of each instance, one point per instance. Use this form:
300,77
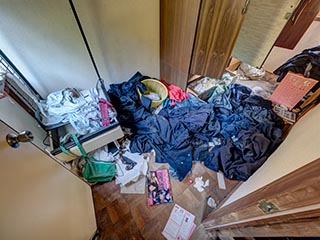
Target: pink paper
292,89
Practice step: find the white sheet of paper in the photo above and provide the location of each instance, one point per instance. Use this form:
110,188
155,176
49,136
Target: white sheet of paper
221,181
177,214
180,224
124,176
171,230
186,226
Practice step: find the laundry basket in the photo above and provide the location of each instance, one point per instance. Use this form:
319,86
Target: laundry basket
157,87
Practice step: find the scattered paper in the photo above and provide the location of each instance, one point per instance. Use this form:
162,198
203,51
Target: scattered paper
221,181
211,202
136,186
103,154
180,225
126,176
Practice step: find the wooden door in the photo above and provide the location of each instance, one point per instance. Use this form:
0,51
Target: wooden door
40,199
289,206
178,20
297,25
218,28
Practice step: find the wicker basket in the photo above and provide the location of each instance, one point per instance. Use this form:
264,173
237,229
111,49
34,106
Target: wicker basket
157,87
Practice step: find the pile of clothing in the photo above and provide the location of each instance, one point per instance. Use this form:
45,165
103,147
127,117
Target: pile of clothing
85,110
306,63
233,131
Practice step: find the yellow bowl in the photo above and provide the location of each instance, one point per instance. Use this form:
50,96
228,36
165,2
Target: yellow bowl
157,87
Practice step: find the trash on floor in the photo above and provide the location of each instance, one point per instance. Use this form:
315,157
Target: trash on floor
261,82
130,166
204,84
136,186
221,181
200,184
211,202
180,224
159,187
103,154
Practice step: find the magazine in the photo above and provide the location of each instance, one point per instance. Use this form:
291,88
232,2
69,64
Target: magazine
158,187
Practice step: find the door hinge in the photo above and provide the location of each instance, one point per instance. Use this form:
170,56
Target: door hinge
267,207
245,7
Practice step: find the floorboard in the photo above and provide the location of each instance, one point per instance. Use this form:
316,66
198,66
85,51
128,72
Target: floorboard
127,216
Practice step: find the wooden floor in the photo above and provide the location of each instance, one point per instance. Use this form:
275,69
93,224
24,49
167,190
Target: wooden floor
127,216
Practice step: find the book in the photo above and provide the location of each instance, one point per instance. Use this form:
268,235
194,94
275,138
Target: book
159,187
292,89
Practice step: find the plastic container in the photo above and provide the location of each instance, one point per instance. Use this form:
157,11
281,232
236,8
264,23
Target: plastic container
157,87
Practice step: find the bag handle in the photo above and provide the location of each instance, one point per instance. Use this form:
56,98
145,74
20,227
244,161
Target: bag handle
76,141
78,144
83,152
63,140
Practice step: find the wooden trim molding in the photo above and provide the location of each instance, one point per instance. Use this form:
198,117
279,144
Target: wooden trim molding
298,189
308,212
305,228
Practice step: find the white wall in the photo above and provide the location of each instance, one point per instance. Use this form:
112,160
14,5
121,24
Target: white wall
301,146
261,26
41,37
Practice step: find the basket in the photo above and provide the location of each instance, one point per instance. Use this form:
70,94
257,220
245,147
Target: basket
157,87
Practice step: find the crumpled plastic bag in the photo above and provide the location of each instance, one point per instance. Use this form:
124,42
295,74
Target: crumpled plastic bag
200,184
251,72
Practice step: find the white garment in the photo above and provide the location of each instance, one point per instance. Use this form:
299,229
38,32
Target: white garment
125,176
81,109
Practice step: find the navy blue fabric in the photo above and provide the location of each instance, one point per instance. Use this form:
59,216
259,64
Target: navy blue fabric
299,63
190,101
170,135
247,128
250,133
126,100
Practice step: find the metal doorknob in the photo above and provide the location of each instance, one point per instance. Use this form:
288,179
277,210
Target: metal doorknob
14,139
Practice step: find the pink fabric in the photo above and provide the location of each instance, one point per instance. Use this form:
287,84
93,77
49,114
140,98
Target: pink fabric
104,105
175,93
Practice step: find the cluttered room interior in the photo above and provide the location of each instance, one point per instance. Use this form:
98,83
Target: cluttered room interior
161,119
